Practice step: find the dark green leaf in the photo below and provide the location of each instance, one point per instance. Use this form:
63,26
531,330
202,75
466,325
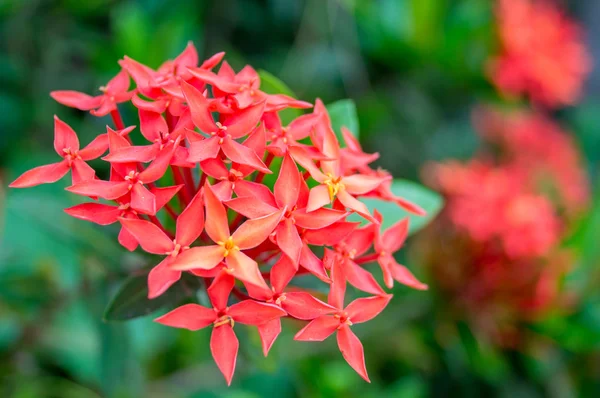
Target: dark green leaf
131,300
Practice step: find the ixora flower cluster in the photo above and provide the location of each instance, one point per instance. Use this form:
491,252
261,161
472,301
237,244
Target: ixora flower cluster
227,222
543,55
506,265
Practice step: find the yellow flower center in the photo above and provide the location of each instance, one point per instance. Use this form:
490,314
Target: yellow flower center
224,320
228,245
334,184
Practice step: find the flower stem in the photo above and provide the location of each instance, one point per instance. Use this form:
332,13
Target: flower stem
183,194
117,120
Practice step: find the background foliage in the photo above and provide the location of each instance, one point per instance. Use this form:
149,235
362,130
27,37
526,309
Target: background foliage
414,69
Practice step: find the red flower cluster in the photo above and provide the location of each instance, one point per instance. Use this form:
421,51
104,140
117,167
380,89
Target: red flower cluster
542,53
224,125
507,211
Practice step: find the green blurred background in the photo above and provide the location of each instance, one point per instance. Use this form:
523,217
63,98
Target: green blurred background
414,69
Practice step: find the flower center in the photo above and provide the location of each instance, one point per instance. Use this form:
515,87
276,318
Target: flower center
334,184
344,318
70,155
228,245
133,178
224,320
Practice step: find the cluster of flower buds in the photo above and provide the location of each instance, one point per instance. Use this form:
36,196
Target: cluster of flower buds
543,54
220,135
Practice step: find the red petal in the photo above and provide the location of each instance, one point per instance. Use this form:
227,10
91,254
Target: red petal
132,154
205,149
313,264
250,312
224,348
212,61
119,83
352,351
164,195
250,206
282,273
360,184
153,106
404,276
331,235
289,240
190,222
393,238
149,236
95,212
318,219
188,316
127,240
260,191
254,232
199,108
219,290
287,186
257,142
152,124
96,148
268,334
41,175
217,225
64,137
243,122
143,200
161,278
204,257
215,80
302,305
318,329
337,290
361,279
241,154
245,269
354,204
81,171
367,308
215,168
188,58
318,197
157,168
105,189
75,99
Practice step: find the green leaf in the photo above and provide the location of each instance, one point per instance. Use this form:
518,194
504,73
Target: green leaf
131,300
343,113
430,201
272,85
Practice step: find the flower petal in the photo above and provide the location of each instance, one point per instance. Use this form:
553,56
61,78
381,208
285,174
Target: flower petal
161,278
268,334
188,316
190,222
250,207
96,148
243,122
250,312
245,269
41,175
143,200
289,240
97,213
352,351
241,154
302,305
105,189
366,308
287,186
152,125
318,197
319,218
199,108
149,236
220,289
318,329
204,257
64,137
205,149
75,99
254,232
217,225
224,348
